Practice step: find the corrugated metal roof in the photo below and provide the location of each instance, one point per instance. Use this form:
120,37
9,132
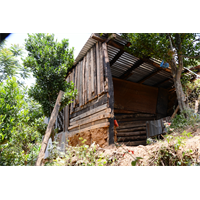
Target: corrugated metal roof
125,61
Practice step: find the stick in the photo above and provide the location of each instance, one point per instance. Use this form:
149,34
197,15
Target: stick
52,120
177,108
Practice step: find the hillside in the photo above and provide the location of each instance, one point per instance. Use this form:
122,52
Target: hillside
175,149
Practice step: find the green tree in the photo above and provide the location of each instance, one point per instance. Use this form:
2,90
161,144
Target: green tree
20,125
10,63
49,61
178,49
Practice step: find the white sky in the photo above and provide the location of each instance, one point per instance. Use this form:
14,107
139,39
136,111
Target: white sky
76,40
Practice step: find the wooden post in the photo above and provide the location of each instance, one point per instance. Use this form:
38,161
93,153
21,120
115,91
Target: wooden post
52,120
177,108
110,93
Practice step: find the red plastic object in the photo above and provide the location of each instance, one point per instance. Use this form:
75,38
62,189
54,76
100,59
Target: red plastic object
115,123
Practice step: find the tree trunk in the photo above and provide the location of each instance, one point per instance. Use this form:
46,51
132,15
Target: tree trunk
180,94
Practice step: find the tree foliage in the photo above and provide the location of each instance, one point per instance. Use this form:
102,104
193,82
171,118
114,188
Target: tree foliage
49,61
21,128
9,63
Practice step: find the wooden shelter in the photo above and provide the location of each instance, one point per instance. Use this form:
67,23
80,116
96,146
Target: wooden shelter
113,84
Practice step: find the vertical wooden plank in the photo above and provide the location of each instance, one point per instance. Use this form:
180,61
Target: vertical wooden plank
92,70
78,82
101,68
89,76
95,70
70,105
66,113
110,93
83,81
81,84
98,68
75,84
73,74
85,91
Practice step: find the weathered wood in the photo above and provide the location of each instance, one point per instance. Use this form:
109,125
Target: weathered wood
90,105
136,115
81,84
78,82
108,77
135,143
131,125
92,70
91,102
100,121
139,137
134,96
75,84
89,75
177,108
89,119
149,76
71,80
135,119
121,134
89,113
101,68
66,114
102,125
140,128
123,111
95,70
85,81
98,68
102,112
52,120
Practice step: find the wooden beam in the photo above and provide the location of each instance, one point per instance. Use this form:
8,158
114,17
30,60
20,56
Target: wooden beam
88,113
136,133
149,76
138,137
89,119
128,72
94,115
116,57
112,36
52,120
110,93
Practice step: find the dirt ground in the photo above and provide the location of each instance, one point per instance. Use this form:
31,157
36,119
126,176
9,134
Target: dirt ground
125,159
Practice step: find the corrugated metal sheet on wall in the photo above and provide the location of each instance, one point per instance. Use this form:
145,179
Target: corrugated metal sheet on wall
156,127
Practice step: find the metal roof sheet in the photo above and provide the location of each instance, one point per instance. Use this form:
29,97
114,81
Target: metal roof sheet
125,61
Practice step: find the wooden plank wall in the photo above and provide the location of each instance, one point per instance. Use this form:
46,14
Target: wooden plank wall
134,105
90,108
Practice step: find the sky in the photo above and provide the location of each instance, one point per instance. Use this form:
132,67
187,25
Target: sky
76,40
